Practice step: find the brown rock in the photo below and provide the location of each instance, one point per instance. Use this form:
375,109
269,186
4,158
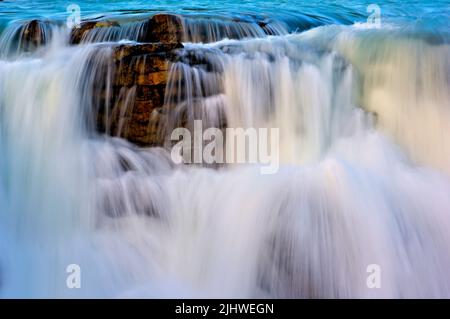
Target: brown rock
124,51
143,64
154,78
132,106
147,93
159,29
144,129
132,110
164,28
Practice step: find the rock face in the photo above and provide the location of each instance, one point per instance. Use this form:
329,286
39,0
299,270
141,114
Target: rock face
33,35
129,91
133,104
164,28
160,28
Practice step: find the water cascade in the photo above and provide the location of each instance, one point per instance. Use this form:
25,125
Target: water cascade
363,114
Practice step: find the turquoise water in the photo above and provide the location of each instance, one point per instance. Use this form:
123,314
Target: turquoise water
435,13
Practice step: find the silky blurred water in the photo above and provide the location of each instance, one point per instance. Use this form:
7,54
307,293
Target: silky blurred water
364,177
434,13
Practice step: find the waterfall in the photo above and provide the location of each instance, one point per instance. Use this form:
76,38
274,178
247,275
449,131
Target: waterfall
363,179
22,37
42,146
215,29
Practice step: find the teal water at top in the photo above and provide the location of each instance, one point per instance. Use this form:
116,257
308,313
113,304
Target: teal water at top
431,14
362,115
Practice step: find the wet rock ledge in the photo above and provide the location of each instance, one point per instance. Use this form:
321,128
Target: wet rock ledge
33,34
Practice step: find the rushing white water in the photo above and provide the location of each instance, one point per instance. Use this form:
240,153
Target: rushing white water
353,189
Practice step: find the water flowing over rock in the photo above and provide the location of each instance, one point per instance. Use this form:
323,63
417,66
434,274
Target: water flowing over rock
79,33
26,37
132,90
140,102
132,85
87,175
165,28
160,28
